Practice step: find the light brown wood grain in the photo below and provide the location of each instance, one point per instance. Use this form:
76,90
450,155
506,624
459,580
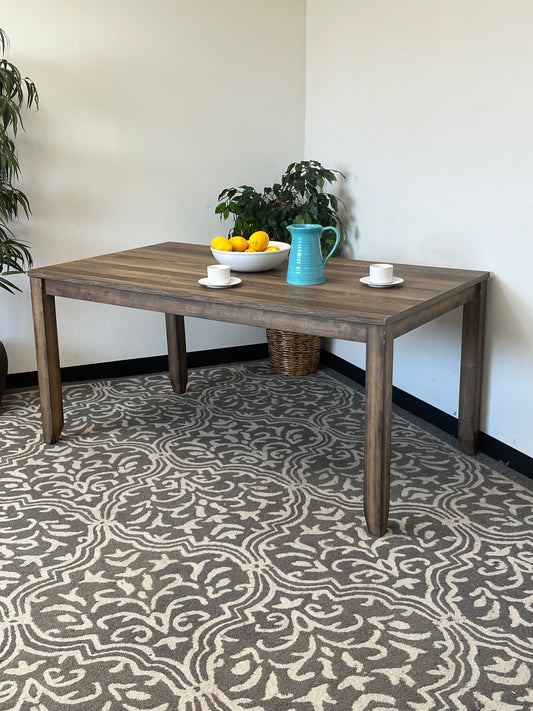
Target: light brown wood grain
378,413
471,370
177,352
47,352
173,269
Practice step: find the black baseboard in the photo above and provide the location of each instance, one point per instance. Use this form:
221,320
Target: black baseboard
421,409
143,366
493,448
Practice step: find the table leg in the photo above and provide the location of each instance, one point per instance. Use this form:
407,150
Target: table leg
47,351
177,352
471,370
378,406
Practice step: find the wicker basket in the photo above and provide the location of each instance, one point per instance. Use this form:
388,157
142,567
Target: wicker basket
293,353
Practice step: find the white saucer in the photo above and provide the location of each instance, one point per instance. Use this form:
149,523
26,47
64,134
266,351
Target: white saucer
232,282
396,281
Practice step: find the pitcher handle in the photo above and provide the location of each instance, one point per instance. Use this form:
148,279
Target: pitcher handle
336,241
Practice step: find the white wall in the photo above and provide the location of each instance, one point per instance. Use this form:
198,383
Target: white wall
428,106
147,111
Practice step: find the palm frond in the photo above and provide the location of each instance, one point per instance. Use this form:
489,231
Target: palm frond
16,92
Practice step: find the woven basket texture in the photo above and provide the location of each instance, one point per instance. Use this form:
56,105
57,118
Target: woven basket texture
293,353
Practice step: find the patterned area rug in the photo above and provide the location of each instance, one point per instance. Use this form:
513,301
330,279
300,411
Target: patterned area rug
208,552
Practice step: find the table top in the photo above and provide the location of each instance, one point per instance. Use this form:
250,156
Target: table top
165,277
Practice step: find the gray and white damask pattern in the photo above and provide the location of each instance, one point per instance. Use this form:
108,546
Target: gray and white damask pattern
208,552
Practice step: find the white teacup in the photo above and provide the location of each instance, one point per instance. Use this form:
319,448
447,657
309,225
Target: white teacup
218,274
381,273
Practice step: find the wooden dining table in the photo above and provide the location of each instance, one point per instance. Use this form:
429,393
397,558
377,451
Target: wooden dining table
164,278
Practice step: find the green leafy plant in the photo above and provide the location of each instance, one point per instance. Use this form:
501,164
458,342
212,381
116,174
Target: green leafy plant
299,198
15,93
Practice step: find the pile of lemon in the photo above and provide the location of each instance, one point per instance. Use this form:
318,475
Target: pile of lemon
258,242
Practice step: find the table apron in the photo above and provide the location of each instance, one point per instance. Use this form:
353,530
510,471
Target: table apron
432,311
238,313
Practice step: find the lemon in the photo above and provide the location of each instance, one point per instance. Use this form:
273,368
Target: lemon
238,243
258,242
222,243
272,249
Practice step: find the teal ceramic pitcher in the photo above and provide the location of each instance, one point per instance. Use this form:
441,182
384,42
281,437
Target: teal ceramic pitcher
306,264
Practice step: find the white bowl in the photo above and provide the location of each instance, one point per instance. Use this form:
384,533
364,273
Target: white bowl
253,261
